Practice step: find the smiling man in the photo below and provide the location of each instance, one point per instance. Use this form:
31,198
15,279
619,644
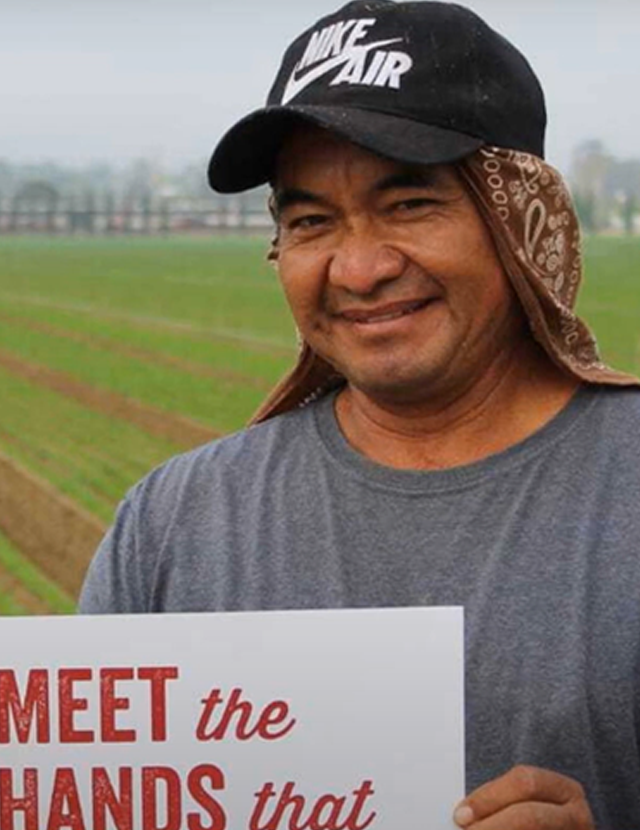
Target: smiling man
449,435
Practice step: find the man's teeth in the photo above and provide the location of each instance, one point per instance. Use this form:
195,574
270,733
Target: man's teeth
391,315
383,317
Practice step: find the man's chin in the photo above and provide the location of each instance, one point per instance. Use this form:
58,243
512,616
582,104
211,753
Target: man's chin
396,388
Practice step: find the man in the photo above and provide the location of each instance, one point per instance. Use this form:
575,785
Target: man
448,435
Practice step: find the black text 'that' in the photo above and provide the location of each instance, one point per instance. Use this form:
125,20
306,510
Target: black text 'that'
420,82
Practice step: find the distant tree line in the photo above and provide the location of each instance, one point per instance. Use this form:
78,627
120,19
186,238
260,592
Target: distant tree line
145,197
606,190
139,198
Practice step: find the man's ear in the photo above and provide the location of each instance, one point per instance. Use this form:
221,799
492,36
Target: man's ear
273,252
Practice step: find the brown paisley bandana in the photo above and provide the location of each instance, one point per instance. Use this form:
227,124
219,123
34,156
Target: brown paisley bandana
528,210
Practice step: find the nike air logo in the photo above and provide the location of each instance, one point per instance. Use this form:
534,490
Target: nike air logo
338,46
356,53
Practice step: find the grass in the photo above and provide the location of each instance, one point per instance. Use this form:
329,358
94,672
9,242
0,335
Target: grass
10,608
223,284
610,301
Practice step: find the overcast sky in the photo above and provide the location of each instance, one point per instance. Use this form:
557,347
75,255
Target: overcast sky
91,79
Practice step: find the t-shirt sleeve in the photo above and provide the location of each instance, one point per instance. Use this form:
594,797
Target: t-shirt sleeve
114,583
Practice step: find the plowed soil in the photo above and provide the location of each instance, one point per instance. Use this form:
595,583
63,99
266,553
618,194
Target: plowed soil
53,532
12,587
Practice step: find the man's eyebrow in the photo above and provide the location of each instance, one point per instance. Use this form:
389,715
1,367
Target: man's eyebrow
294,196
424,177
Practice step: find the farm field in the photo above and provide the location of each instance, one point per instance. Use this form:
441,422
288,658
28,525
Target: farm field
116,354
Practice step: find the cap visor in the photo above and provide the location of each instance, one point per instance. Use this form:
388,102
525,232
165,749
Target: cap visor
247,154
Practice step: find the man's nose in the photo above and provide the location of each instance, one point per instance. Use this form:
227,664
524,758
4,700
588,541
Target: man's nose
363,261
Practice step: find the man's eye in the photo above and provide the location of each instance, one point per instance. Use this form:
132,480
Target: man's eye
412,204
311,220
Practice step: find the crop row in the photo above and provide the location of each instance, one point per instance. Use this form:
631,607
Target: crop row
88,456
223,404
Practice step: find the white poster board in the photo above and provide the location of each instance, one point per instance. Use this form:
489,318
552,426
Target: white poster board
292,720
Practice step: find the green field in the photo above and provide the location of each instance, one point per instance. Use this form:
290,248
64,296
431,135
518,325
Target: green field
192,327
610,300
188,327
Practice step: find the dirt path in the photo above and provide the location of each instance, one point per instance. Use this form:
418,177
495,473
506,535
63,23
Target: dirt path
182,431
146,355
57,535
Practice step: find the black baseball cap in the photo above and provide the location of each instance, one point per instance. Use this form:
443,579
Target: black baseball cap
419,82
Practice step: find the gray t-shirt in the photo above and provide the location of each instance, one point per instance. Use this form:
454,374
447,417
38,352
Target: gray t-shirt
540,544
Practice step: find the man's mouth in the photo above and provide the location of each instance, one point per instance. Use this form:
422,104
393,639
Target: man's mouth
382,314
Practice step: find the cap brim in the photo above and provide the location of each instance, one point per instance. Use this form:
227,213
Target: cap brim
247,154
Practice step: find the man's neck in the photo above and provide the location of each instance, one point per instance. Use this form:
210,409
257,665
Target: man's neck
503,408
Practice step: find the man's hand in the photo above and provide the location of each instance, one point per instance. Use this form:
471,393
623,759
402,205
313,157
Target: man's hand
526,798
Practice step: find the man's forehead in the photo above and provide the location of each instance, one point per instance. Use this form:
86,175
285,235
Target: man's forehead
312,151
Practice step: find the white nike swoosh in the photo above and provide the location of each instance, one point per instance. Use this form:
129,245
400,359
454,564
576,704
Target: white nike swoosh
296,85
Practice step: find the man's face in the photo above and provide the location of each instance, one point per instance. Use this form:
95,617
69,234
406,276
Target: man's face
389,270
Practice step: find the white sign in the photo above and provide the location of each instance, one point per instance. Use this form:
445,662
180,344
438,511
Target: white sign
282,720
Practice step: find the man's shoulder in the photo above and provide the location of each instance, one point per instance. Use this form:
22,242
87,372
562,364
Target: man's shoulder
231,461
611,427
619,405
